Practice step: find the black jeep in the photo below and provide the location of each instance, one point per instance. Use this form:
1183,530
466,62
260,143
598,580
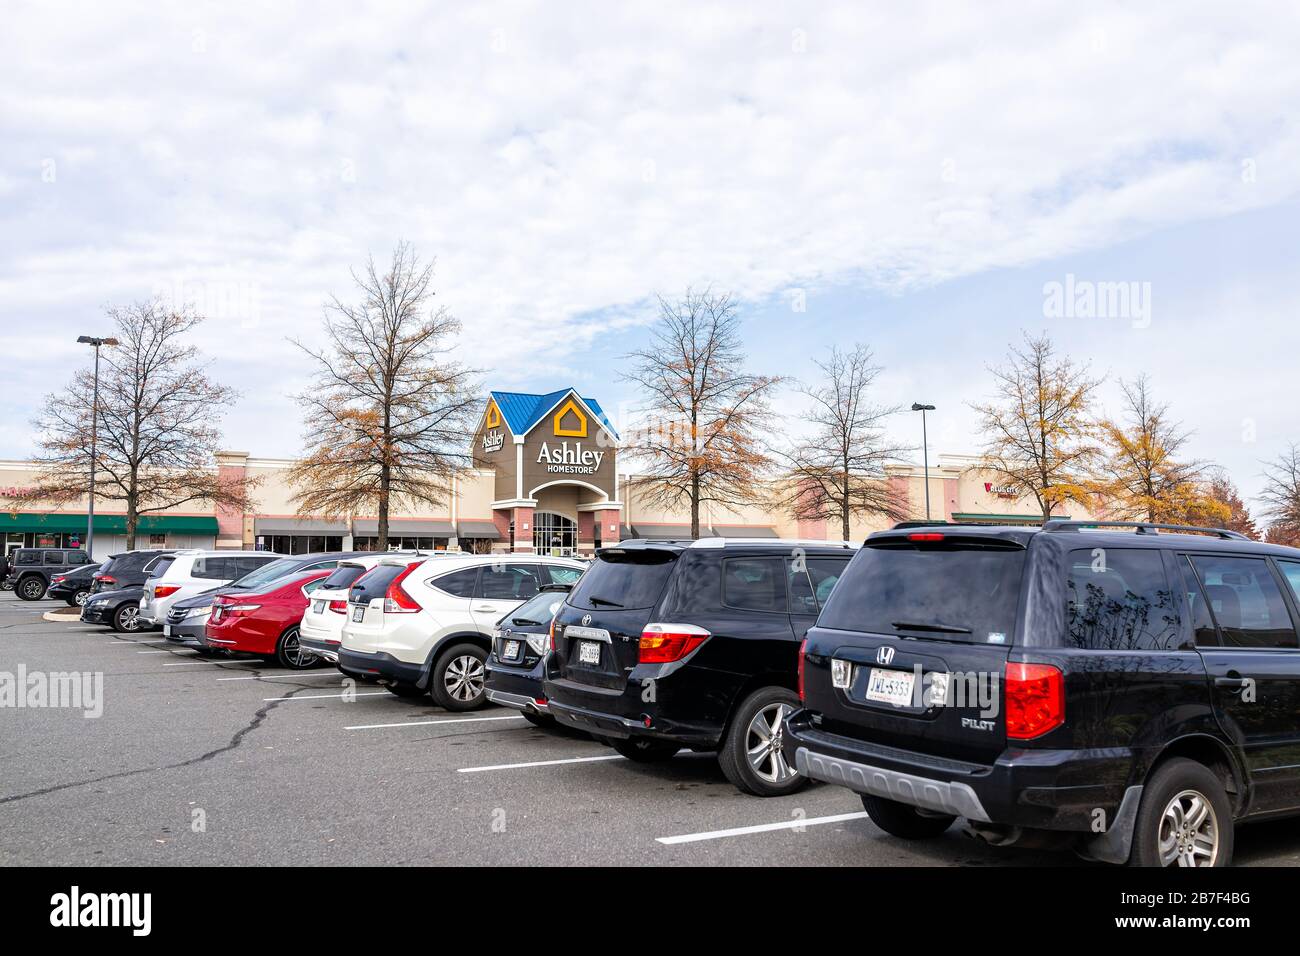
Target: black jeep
1132,694
30,569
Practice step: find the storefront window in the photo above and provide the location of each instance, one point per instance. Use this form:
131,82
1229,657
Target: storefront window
554,534
300,543
371,543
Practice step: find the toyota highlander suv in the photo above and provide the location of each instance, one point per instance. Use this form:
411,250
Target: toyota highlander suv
671,644
1129,693
425,626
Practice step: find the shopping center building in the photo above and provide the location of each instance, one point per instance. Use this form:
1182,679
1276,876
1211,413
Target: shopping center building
545,476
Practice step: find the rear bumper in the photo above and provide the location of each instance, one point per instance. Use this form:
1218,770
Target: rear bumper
1036,789
517,687
380,666
329,650
625,714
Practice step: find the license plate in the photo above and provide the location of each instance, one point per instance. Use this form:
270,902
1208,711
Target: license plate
318,607
358,613
167,630
510,651
589,652
891,687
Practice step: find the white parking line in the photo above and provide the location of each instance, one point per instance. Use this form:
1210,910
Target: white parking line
215,663
759,828
126,643
379,693
423,723
283,676
541,763
167,652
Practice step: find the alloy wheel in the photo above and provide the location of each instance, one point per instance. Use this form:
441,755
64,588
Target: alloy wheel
763,744
294,655
32,589
80,597
130,618
464,678
1189,831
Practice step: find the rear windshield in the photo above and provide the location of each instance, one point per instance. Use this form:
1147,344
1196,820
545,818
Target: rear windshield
375,584
159,567
624,579
951,592
342,577
538,609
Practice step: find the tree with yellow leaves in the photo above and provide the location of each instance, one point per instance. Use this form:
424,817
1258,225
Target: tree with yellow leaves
1143,474
1039,428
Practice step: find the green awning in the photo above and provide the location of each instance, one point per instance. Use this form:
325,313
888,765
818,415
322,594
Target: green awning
71,523
973,518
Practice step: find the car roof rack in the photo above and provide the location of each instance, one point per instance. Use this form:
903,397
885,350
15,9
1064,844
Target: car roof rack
1142,527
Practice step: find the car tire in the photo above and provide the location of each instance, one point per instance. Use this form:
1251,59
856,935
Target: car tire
31,588
458,679
545,721
126,619
646,749
1184,819
751,756
404,690
904,821
289,653
80,598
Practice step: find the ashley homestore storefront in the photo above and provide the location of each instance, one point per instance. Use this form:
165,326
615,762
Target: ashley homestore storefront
545,477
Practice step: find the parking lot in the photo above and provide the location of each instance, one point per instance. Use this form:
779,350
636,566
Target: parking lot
237,762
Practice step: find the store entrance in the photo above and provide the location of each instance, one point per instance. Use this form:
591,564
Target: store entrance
554,534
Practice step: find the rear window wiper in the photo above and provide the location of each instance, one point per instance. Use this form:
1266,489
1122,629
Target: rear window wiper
605,601
524,622
937,627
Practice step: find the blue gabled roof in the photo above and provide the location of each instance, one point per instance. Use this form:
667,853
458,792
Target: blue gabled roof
522,410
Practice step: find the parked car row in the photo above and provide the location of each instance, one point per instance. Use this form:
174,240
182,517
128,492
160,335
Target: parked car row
1129,694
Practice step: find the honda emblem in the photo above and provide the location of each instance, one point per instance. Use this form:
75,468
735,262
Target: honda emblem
885,654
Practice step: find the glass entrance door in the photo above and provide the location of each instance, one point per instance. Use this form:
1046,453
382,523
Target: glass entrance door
554,534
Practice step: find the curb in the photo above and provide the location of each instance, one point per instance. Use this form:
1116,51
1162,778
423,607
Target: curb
65,617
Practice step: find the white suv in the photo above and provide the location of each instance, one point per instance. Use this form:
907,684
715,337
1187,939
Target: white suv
321,630
426,627
192,572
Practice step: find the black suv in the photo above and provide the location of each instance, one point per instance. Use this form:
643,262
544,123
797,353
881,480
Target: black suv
663,645
1128,693
129,569
30,569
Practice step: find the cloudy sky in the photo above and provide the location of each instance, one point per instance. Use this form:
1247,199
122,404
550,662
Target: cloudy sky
918,179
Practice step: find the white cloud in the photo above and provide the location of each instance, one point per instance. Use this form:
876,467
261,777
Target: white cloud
565,161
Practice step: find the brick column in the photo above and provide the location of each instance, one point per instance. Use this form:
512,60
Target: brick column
586,531
610,529
523,530
232,466
951,497
899,492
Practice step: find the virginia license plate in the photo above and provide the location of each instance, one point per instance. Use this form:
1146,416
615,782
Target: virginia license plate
511,650
358,613
167,630
890,686
588,652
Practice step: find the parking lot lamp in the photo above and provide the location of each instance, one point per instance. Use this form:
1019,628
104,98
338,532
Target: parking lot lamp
95,343
925,452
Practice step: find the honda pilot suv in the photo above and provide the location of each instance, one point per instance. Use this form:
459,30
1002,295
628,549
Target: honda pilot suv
1132,694
663,645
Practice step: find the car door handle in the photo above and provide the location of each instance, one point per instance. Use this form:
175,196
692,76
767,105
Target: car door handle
1231,683
486,609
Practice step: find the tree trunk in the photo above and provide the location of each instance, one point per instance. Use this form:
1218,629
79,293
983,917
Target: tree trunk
132,519
695,506
385,484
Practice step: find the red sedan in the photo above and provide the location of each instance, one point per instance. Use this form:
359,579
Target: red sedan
265,623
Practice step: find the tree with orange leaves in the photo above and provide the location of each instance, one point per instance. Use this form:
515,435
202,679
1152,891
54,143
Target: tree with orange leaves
1040,434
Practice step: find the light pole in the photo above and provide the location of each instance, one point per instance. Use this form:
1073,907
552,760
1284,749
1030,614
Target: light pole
95,343
925,451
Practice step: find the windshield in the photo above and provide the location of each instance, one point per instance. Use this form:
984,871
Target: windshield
160,565
342,577
952,592
267,573
538,609
624,579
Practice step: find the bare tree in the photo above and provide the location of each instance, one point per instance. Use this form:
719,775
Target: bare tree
839,471
1142,474
1039,428
1281,496
707,415
389,415
157,424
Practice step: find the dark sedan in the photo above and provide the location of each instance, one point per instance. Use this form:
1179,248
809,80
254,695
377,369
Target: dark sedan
515,666
73,586
116,609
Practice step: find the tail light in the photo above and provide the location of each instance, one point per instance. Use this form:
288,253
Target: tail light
58,579
339,606
165,590
550,637
665,643
1035,696
925,536
105,579
240,608
396,600
803,646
